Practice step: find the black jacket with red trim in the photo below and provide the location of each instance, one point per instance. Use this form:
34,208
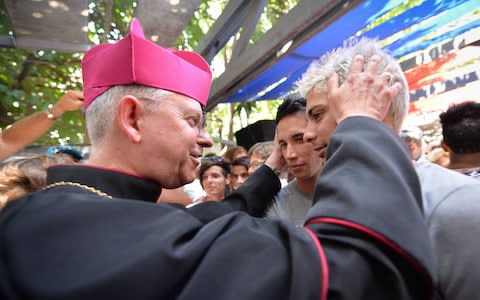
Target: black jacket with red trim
365,238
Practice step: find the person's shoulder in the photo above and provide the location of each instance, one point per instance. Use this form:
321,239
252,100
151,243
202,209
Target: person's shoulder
440,186
289,186
448,193
441,177
460,203
286,191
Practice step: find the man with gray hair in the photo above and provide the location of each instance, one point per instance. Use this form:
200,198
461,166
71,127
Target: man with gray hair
95,232
449,199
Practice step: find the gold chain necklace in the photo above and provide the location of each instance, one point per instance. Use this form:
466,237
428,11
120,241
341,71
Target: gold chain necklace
82,186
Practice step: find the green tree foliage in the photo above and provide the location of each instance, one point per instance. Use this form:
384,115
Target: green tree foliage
228,118
30,80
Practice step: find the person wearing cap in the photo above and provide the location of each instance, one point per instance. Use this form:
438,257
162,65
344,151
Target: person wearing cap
65,150
27,130
413,139
96,232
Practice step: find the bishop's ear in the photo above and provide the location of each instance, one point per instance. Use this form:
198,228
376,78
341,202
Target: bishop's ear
129,115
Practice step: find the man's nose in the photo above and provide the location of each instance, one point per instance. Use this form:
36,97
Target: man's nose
309,134
290,152
204,139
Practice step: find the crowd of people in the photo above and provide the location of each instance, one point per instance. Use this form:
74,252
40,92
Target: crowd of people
342,204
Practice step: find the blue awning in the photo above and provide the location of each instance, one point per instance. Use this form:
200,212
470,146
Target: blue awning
429,23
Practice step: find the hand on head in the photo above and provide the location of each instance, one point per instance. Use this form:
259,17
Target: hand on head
366,92
276,160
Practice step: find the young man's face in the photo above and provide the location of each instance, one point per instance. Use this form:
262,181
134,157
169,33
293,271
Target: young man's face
320,125
238,175
302,162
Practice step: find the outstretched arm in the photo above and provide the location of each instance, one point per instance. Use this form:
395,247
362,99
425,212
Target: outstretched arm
28,129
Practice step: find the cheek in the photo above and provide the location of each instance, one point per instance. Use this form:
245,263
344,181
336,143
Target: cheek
328,128
305,149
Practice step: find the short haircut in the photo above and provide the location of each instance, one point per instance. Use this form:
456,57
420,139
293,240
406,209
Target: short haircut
100,114
264,149
241,161
213,160
339,61
461,127
233,150
291,105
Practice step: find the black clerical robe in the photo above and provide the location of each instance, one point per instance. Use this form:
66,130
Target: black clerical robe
364,239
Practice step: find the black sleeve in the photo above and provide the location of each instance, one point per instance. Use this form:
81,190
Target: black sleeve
365,238
253,197
256,194
367,217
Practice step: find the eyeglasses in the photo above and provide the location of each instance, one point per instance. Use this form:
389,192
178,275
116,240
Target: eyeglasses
256,164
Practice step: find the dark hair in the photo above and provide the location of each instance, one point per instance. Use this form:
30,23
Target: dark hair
461,127
232,151
209,161
242,161
291,105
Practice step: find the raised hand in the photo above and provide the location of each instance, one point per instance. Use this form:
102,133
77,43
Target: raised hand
72,100
276,160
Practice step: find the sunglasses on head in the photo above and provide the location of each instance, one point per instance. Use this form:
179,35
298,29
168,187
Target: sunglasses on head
214,159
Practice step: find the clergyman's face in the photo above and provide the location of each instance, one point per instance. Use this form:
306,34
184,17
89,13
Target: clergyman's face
302,162
320,124
173,141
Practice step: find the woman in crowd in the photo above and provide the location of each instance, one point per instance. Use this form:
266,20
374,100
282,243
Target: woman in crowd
214,176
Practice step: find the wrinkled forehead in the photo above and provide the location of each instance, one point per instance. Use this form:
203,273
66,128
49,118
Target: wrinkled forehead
182,102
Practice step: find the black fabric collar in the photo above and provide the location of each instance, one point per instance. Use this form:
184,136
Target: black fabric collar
113,183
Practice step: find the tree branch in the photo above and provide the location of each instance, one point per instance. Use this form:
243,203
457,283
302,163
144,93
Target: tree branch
107,20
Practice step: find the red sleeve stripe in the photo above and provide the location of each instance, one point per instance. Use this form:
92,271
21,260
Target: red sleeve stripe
323,262
378,237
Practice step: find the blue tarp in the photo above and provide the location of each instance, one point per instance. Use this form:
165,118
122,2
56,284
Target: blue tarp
423,22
